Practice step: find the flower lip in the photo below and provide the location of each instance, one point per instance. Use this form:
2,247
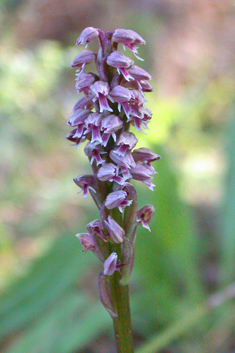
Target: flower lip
101,92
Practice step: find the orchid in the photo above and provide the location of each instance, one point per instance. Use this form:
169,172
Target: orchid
113,101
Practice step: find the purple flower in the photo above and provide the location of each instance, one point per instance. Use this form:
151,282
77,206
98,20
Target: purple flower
117,199
144,215
140,116
144,154
109,172
84,81
143,85
121,160
95,227
121,63
115,231
78,117
109,125
126,141
87,241
137,100
123,36
138,73
101,92
122,96
92,124
85,182
87,35
128,38
73,137
146,86
143,172
110,264
92,150
83,58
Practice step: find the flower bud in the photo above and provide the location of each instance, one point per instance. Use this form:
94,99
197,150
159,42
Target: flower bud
144,215
118,60
146,86
137,38
85,57
110,264
78,117
120,94
144,154
123,36
115,231
138,73
87,35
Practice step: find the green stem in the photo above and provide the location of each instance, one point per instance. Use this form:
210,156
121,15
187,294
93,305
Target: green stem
122,323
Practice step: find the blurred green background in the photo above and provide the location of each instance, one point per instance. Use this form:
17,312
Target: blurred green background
49,296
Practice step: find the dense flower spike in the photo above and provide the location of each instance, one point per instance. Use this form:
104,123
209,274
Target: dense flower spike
112,103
